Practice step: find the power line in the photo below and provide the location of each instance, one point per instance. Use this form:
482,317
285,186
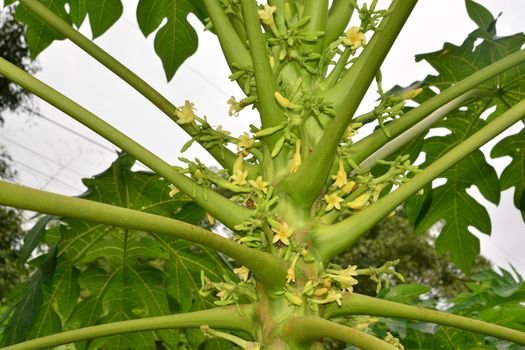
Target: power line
40,155
38,114
54,178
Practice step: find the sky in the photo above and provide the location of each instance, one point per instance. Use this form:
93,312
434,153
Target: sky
54,152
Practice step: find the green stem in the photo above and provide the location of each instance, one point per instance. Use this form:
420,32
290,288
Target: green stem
415,131
306,329
333,239
271,113
318,12
370,144
356,304
224,318
222,154
338,17
350,90
234,49
267,268
220,207
335,74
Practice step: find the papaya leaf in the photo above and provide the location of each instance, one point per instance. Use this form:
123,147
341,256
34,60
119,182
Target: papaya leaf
176,40
39,35
23,316
106,274
102,14
451,204
514,173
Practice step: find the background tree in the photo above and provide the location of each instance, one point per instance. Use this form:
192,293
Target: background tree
13,98
419,262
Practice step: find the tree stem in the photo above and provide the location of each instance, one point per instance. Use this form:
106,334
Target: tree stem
350,90
306,329
234,49
220,207
223,318
271,113
333,239
338,17
267,268
222,154
357,304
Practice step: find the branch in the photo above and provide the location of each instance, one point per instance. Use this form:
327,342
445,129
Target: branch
222,208
318,12
350,90
338,17
234,49
370,144
271,113
306,329
267,268
224,318
357,304
415,131
222,154
333,239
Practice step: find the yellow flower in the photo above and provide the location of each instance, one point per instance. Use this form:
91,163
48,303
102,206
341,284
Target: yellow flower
245,141
173,190
333,201
346,283
210,218
359,202
266,14
282,234
354,38
259,184
283,101
349,187
290,275
410,94
296,160
185,113
235,107
340,177
242,272
239,178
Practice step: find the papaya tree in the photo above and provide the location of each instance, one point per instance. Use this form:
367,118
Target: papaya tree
126,264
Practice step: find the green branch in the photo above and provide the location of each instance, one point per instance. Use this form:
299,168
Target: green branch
222,154
234,49
338,17
222,208
223,318
370,144
350,90
303,330
267,268
271,113
318,12
357,304
415,131
333,239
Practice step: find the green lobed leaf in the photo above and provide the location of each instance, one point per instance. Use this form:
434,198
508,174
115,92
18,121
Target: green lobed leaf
451,204
176,40
480,15
107,274
39,35
514,173
102,14
23,317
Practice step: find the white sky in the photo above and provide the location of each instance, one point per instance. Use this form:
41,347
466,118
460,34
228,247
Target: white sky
52,158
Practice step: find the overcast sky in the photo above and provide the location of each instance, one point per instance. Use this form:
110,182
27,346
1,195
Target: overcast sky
55,158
